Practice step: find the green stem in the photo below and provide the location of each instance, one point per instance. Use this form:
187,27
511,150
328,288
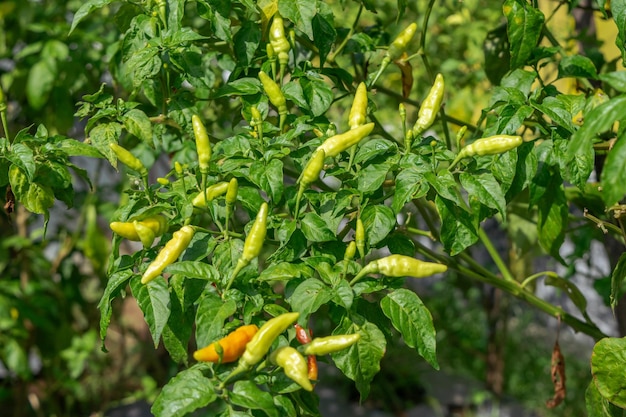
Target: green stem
504,270
533,277
240,265
146,186
383,65
331,58
5,124
298,198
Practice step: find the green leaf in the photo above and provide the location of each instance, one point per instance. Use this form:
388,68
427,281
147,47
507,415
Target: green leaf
343,294
309,296
324,35
374,148
300,12
617,278
15,358
269,177
240,87
414,322
186,392
102,136
598,406
608,361
409,184
177,332
613,179
444,183
315,228
524,30
570,289
372,177
378,221
284,271
555,109
154,300
496,50
37,198
246,41
210,317
115,284
483,187
23,157
616,79
317,93
598,120
246,394
72,147
87,8
41,79
144,64
577,66
361,361
194,269
618,10
137,123
458,229
552,216
511,118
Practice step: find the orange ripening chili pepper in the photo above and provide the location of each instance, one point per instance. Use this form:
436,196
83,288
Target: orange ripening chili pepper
232,346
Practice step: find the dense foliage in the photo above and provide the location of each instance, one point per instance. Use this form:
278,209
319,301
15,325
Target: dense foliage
287,161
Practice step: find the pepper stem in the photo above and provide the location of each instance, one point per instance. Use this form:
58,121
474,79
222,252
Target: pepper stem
367,269
241,263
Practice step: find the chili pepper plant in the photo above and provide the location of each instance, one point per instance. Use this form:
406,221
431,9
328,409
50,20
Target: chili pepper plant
313,172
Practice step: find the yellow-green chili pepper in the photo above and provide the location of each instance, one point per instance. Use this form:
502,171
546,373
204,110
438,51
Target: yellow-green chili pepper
324,345
278,40
400,266
359,237
294,365
128,159
211,192
203,146
275,95
400,43
358,111
129,230
430,106
253,244
261,342
310,174
169,253
492,145
336,144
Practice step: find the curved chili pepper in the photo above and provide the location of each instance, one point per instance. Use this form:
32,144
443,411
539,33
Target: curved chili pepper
229,348
169,253
400,266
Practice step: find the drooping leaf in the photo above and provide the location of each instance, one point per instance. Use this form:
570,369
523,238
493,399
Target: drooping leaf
210,317
378,221
613,178
524,26
154,300
361,361
411,318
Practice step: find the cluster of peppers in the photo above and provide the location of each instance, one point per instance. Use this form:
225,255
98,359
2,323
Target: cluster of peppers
250,344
